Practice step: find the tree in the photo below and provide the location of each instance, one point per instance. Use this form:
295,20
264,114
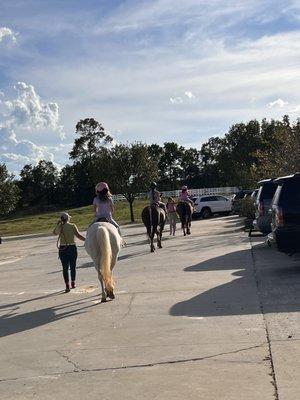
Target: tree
230,160
9,191
66,187
131,171
281,155
190,166
38,183
92,138
90,152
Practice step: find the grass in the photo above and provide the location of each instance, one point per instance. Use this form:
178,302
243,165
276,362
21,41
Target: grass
22,224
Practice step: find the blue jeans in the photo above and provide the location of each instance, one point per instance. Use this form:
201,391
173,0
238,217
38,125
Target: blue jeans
68,258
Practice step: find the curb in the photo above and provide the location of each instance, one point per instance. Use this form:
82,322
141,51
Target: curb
24,237
39,235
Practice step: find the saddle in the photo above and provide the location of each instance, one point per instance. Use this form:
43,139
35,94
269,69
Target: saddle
157,205
103,219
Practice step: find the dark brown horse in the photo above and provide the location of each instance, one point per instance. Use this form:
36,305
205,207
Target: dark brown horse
184,210
154,219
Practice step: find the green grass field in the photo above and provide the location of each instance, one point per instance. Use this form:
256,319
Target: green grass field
22,224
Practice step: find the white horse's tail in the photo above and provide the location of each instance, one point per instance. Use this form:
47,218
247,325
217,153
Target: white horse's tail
106,255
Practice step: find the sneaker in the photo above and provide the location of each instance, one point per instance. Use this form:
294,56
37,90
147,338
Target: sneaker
67,289
73,286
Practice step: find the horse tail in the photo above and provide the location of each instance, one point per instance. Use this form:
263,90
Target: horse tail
151,222
106,256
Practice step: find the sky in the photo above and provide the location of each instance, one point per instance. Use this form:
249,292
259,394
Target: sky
150,71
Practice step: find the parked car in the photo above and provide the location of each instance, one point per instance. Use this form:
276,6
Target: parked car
206,206
237,200
266,191
285,215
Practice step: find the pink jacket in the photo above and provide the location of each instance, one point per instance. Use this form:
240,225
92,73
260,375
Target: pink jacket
184,197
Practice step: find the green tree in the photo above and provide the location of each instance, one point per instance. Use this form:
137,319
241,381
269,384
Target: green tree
280,155
38,183
190,167
131,171
90,153
92,139
9,191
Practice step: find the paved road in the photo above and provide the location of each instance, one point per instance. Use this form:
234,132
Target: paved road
210,316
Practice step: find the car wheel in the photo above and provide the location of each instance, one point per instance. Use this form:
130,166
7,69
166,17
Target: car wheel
206,213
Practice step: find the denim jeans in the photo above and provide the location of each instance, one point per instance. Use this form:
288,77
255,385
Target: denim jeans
68,257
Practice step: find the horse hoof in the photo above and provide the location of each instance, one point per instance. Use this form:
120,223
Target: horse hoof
111,295
188,233
152,249
103,299
184,234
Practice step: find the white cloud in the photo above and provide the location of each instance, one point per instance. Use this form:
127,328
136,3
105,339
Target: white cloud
279,103
27,112
176,100
7,33
179,99
189,94
296,109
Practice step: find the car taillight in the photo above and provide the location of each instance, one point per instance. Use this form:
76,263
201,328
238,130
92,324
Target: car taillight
261,208
279,216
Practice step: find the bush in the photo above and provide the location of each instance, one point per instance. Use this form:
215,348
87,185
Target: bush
248,208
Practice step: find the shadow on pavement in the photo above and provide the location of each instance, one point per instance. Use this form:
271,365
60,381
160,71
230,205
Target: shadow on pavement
279,285
4,306
12,322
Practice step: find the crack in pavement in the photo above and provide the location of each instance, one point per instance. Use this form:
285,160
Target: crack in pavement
69,361
77,369
270,356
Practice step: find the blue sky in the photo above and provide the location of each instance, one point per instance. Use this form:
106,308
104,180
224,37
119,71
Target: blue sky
153,71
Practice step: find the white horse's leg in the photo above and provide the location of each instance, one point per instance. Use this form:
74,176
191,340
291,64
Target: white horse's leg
103,294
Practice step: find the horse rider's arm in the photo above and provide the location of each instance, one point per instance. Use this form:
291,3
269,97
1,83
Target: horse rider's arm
77,234
112,208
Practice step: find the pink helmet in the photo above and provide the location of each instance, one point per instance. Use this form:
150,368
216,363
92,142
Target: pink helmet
184,188
100,186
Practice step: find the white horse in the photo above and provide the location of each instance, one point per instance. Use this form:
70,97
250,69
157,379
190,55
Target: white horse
103,244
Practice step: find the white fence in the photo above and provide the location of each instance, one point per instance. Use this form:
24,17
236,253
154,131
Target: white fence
193,192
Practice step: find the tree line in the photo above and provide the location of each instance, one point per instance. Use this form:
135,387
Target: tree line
246,153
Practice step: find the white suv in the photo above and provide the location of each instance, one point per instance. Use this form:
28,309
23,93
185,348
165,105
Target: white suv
206,206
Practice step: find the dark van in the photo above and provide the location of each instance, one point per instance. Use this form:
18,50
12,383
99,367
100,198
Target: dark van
285,233
266,191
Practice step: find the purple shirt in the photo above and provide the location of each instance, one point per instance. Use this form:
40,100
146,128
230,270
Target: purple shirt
103,208
184,197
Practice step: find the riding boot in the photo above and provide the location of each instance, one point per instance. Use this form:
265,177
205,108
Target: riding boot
67,287
73,286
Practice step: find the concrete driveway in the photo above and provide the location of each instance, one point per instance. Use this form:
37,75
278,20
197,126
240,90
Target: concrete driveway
210,316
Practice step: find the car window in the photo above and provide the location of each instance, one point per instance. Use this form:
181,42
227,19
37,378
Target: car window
205,199
267,191
221,198
290,193
213,198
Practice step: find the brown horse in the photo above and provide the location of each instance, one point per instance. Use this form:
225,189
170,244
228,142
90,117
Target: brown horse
184,210
154,219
